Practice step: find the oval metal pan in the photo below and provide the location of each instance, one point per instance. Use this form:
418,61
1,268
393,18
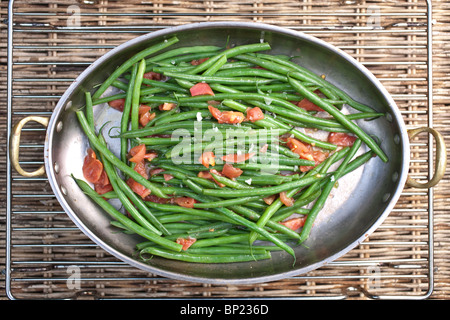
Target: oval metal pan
360,204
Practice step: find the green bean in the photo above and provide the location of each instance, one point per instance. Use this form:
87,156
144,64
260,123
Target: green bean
140,204
251,214
216,66
226,250
245,72
128,63
164,85
340,117
229,53
225,203
135,101
189,125
230,193
89,111
214,79
203,258
184,116
319,204
128,223
174,55
114,179
213,226
124,122
195,212
114,160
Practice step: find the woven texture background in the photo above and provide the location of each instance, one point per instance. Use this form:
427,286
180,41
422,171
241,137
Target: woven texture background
168,13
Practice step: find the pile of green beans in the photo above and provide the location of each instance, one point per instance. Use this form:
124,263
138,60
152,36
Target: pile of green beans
231,219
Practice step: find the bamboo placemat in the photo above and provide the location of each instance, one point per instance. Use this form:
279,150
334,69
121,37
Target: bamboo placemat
104,276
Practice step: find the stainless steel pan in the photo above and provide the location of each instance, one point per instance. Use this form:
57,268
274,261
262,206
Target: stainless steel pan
359,206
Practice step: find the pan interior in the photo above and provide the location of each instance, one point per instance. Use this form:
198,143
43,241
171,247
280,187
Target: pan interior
356,207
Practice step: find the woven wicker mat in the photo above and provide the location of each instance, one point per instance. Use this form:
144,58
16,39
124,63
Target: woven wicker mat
100,277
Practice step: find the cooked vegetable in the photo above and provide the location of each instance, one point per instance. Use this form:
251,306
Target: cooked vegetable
215,164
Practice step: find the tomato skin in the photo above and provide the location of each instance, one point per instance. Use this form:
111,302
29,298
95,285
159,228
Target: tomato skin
141,169
270,199
92,167
156,199
185,202
145,116
231,172
230,117
255,114
200,89
341,139
300,148
138,188
117,104
205,175
294,223
103,185
167,177
207,159
151,75
236,158
167,106
308,105
186,242
196,62
137,153
288,202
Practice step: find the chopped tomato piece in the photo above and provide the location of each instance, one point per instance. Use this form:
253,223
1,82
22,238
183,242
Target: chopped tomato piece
167,177
140,168
92,168
308,105
138,188
166,106
156,171
137,153
207,159
230,117
264,148
156,199
205,175
196,62
235,158
255,114
152,75
294,223
341,139
117,104
150,156
270,199
300,148
102,189
103,185
318,156
288,202
231,172
145,116
200,89
186,202
186,242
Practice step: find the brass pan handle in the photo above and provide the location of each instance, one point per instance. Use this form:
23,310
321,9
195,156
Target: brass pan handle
441,158
15,144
